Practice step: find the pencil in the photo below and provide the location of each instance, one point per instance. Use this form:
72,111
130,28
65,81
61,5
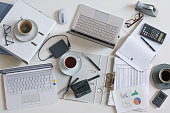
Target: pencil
148,44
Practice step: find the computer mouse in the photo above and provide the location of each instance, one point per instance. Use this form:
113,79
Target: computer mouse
62,16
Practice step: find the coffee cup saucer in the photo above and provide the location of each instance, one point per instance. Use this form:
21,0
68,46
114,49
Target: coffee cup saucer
31,36
74,70
155,76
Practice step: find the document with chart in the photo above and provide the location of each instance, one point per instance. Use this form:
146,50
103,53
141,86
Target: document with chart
127,76
130,98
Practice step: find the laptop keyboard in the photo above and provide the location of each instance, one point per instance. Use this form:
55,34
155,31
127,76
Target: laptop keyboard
96,29
17,84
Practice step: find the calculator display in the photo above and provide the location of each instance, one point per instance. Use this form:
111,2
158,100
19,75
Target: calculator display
161,96
160,37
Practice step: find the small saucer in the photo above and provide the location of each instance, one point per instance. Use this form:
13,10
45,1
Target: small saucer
29,37
155,76
73,71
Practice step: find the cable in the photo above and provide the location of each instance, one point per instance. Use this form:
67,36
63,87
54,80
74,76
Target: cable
68,44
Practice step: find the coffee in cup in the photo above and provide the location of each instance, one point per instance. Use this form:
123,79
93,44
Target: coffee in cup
70,62
164,75
24,26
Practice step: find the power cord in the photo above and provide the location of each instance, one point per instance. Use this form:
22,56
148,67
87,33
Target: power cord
68,44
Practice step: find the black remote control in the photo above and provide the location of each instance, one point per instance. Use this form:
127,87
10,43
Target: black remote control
153,33
159,99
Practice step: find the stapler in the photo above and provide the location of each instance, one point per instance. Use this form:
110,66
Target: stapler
146,9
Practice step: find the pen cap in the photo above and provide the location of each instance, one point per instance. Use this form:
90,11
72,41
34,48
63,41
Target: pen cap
93,77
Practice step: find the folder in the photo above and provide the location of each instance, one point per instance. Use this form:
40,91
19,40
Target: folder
100,90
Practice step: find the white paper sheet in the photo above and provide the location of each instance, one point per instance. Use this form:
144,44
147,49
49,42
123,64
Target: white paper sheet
130,98
136,52
127,76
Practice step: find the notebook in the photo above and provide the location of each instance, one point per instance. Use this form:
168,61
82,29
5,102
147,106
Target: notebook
3,52
25,50
136,52
100,91
96,26
4,10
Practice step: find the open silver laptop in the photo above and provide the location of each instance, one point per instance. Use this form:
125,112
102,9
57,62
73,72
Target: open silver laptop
29,86
96,26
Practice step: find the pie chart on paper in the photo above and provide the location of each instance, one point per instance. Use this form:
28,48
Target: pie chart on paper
137,101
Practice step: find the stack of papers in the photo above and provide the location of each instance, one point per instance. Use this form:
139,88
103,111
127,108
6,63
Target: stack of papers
132,72
126,76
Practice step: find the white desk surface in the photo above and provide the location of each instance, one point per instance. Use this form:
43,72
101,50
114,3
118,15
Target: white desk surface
122,8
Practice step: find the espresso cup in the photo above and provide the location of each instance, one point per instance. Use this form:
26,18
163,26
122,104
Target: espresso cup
164,75
70,62
24,26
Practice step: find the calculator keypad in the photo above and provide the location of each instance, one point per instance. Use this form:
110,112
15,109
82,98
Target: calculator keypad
153,33
159,99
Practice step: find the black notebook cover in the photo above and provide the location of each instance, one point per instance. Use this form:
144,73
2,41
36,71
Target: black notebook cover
4,9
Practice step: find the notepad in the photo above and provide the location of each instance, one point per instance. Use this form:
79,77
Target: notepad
136,52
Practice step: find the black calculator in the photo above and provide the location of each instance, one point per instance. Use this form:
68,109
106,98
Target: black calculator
159,99
153,33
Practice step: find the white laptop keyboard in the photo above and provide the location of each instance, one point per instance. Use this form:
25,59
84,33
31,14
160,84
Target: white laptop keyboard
17,84
96,29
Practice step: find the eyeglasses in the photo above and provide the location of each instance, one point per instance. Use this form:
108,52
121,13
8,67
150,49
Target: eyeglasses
134,19
8,38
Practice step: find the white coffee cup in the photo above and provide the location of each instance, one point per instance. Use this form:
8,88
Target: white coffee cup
24,26
70,62
164,75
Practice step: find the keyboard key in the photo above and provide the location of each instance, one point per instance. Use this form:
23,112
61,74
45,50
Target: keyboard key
95,28
29,83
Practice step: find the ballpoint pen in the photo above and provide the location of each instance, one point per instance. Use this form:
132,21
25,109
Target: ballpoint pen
91,62
148,44
69,85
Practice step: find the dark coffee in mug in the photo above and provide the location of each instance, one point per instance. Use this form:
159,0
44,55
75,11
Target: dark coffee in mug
165,75
25,26
70,62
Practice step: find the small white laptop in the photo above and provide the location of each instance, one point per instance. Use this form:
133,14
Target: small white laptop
96,26
29,86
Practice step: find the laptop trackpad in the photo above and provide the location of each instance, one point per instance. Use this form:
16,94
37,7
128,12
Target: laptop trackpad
29,98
